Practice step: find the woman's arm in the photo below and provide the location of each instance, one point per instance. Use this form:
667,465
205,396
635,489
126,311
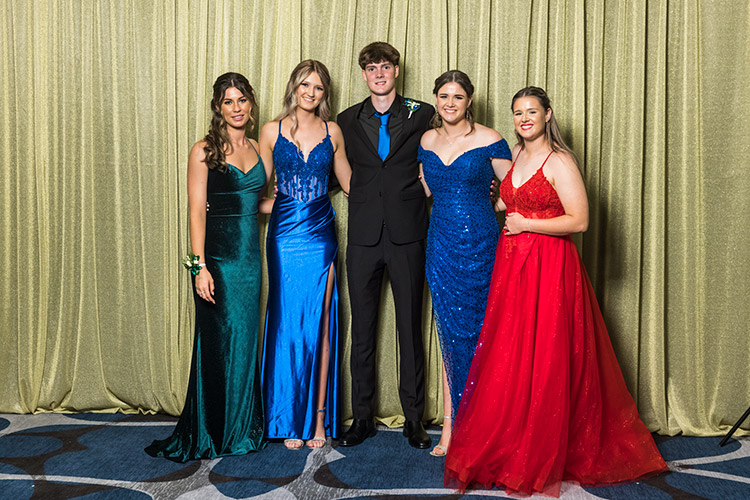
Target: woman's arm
562,172
501,167
267,140
197,182
499,205
341,167
427,142
426,188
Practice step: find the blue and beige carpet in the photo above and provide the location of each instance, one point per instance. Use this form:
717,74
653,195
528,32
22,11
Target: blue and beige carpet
96,457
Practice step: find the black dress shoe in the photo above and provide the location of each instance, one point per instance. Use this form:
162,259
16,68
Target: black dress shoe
418,437
360,430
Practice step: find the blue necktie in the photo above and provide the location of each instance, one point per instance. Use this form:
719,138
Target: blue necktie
384,136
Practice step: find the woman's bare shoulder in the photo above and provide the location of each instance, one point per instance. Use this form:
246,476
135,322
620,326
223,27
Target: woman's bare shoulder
198,151
429,138
486,135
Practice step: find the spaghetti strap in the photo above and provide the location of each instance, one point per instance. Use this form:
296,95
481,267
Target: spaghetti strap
256,151
328,134
545,160
513,165
519,154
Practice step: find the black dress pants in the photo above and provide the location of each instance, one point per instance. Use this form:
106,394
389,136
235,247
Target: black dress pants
365,266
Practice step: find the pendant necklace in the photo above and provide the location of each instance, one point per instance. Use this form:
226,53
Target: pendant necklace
458,136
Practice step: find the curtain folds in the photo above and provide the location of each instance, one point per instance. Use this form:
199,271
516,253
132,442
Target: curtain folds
100,103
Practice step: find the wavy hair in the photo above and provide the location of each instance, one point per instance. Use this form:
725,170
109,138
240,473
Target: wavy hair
378,52
217,140
299,73
551,131
461,78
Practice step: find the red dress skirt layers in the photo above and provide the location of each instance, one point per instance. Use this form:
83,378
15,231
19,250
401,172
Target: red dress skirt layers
545,400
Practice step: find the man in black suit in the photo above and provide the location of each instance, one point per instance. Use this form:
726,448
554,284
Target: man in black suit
387,228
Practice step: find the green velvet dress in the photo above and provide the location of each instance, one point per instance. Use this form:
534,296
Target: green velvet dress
223,412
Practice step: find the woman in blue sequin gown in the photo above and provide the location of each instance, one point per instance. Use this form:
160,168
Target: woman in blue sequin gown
459,158
301,345
223,412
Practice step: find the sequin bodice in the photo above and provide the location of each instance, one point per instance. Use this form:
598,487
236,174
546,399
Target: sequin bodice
302,179
534,199
460,190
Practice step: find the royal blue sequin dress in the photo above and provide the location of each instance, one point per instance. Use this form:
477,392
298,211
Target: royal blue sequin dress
461,244
301,250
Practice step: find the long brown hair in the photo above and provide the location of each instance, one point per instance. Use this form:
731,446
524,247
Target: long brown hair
299,73
551,131
461,78
217,140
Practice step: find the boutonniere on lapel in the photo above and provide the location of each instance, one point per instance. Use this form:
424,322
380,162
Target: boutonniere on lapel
412,106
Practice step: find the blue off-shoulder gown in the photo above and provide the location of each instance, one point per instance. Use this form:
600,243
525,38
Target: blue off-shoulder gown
301,250
461,243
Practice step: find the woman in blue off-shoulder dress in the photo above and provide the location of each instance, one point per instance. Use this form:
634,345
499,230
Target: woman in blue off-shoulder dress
459,158
301,344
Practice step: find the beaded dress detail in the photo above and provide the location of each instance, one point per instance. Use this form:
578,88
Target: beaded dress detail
302,179
301,251
461,243
545,400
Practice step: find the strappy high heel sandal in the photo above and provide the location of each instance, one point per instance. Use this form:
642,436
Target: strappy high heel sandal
293,444
439,450
317,439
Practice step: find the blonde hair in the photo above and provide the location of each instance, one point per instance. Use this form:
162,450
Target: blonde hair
300,72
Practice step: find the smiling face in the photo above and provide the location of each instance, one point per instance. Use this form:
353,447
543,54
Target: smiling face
452,102
310,92
380,77
235,108
530,118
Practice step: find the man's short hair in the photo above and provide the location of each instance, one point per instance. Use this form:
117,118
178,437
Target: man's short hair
378,52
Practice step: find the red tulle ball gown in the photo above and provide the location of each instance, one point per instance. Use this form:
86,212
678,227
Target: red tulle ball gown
545,400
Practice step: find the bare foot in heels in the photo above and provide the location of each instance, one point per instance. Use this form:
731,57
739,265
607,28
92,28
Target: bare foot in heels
441,449
319,440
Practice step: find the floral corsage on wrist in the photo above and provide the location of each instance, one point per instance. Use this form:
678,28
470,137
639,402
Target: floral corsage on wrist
193,263
412,106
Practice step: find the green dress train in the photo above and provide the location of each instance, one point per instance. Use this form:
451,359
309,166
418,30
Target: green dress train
223,413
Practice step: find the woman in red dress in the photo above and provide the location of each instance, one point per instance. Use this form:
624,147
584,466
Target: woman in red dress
545,400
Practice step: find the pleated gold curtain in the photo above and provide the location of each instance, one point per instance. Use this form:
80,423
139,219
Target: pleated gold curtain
100,102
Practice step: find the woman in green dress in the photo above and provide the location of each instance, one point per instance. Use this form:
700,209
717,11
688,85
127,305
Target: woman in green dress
223,412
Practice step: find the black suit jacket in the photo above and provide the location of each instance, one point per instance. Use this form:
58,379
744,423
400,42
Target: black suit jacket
386,192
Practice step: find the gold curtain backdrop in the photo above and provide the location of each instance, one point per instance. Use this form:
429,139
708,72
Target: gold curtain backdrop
100,102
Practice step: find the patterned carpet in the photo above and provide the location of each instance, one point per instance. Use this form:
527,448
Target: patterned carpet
96,457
